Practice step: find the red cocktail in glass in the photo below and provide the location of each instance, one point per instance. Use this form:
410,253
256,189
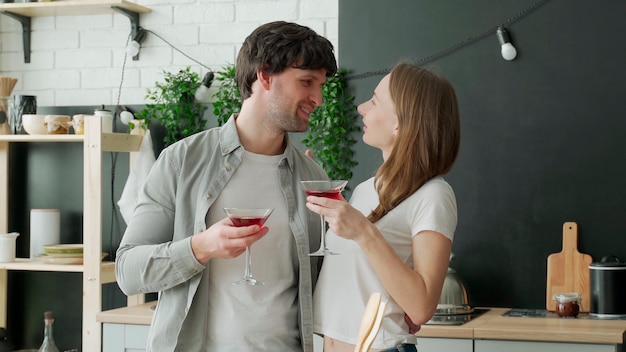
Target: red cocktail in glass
329,189
248,217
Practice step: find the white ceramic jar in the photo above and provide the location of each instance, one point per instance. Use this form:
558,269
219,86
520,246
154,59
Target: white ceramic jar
107,120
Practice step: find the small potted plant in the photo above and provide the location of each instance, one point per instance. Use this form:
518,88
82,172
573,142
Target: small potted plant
227,98
173,105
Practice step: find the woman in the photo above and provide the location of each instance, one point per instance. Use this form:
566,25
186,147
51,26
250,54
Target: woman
395,236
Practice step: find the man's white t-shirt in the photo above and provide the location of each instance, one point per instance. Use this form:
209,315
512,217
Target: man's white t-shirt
262,318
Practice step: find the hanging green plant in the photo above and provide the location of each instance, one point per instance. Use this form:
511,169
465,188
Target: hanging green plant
174,106
329,136
331,124
227,97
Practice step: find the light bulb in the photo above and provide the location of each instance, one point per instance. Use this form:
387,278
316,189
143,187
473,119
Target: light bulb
508,51
126,117
133,48
203,95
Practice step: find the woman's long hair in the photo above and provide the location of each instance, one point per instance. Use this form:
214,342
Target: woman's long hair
428,139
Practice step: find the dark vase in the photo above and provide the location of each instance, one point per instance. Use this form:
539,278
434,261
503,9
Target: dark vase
22,104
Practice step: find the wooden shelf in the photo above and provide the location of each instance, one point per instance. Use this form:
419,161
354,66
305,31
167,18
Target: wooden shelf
71,8
42,138
27,264
23,12
111,142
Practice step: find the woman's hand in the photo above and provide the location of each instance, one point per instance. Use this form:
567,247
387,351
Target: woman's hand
342,218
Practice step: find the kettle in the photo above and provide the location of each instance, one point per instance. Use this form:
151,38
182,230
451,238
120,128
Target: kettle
454,297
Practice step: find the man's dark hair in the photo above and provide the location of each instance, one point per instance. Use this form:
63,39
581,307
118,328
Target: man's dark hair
277,45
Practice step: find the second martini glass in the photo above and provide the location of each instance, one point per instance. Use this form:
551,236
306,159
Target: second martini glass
329,189
247,217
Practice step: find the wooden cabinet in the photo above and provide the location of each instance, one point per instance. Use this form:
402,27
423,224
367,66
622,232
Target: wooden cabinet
425,344
493,331
95,273
532,346
124,337
433,344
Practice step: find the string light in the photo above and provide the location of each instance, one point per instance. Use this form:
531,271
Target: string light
508,51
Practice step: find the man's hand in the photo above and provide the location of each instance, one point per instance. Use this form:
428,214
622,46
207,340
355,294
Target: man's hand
224,240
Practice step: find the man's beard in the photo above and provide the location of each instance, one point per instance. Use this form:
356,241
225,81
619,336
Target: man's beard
286,121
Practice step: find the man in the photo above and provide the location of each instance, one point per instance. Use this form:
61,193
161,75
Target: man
180,243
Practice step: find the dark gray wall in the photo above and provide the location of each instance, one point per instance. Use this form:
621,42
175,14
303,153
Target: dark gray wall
542,136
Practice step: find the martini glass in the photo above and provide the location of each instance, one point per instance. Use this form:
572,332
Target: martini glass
247,217
329,189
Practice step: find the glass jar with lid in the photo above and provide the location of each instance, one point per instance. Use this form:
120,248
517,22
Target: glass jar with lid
567,304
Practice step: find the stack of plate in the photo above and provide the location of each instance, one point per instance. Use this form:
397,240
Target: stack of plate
62,254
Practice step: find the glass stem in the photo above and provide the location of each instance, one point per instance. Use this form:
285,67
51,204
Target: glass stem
248,271
323,237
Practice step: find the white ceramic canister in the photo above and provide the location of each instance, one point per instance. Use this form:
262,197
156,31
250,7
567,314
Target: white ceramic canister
45,229
106,118
7,247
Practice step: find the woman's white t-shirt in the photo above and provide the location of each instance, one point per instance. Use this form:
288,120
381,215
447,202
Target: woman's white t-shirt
347,280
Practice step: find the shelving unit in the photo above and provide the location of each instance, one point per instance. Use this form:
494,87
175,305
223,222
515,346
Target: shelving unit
23,12
95,272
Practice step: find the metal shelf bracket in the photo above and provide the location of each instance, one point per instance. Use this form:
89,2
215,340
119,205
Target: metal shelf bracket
25,21
134,23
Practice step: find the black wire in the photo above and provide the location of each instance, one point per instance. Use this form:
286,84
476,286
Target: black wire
458,45
175,48
115,224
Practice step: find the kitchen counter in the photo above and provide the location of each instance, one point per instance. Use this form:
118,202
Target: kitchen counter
490,325
493,326
140,314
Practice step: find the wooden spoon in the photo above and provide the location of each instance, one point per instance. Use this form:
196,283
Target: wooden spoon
372,314
369,339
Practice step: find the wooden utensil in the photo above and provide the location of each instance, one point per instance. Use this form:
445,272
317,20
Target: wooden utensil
568,270
378,321
370,322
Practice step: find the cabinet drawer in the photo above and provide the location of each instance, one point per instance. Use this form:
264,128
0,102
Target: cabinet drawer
432,344
124,337
530,346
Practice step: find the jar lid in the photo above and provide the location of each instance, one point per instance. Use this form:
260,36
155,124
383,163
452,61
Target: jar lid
608,262
567,297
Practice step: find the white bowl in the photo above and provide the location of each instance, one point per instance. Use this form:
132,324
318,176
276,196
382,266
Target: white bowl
34,124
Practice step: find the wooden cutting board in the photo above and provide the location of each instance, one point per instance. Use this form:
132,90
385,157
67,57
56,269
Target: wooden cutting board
568,270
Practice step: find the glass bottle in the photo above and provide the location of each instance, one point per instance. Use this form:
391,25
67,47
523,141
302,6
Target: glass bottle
48,344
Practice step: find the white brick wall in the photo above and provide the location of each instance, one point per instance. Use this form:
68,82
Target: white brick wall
78,60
